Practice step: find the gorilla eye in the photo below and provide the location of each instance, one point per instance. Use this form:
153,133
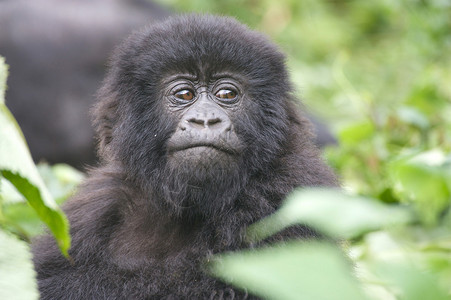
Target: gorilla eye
185,95
226,94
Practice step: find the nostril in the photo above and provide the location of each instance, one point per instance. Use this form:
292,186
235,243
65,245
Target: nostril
210,121
213,121
196,121
204,122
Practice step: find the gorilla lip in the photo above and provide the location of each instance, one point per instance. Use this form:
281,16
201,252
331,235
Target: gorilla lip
208,145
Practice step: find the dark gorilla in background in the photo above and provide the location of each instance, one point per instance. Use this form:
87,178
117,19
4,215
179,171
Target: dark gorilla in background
57,50
199,137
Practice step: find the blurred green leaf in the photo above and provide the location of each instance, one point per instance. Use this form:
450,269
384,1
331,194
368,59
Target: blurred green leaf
424,179
412,283
19,217
425,96
22,220
296,270
390,265
332,212
356,133
413,116
17,276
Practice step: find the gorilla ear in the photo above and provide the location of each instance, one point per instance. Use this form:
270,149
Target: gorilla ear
105,118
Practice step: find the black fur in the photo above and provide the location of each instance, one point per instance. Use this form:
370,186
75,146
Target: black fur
142,225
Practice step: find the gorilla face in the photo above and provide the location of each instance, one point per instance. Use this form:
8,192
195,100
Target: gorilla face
205,137
200,109
204,150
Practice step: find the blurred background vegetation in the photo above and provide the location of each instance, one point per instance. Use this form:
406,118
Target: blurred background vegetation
379,74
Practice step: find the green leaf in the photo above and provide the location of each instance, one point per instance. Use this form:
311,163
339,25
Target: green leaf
17,167
424,180
412,283
19,217
426,95
17,276
295,270
356,133
413,116
22,220
332,212
46,209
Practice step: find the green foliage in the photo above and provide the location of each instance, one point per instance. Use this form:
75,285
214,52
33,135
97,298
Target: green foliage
19,217
352,216
17,276
298,270
406,263
425,180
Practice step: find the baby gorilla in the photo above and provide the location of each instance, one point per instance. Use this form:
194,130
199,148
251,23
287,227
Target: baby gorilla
199,137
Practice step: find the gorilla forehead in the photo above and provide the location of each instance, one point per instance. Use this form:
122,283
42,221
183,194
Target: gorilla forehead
200,44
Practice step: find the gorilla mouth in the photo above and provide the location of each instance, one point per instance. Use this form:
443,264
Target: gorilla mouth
221,148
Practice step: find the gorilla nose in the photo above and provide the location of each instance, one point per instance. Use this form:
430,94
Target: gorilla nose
204,120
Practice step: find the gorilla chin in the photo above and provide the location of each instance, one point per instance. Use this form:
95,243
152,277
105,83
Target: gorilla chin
193,170
198,164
